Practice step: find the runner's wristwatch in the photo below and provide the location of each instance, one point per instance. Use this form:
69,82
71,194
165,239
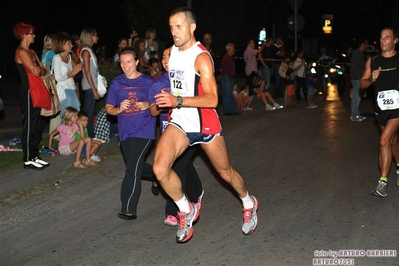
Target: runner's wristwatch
179,101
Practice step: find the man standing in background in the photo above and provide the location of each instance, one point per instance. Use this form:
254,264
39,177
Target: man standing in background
357,67
228,72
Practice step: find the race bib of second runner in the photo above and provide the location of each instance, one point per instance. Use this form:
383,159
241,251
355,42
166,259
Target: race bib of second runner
388,100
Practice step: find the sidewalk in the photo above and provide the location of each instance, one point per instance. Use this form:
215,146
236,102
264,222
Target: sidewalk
10,127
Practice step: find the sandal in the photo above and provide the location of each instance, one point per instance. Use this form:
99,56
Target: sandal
127,216
89,162
79,165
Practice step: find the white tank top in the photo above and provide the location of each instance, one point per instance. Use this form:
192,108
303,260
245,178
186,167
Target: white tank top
185,81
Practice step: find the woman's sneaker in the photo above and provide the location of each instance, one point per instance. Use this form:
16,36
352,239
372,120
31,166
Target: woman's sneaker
41,161
171,221
32,165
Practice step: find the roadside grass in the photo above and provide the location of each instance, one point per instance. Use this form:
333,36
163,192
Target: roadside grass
13,159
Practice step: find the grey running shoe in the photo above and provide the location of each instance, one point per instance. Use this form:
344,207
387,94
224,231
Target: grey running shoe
381,189
250,221
185,231
397,174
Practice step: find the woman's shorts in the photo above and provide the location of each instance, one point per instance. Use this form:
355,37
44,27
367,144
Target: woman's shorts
65,150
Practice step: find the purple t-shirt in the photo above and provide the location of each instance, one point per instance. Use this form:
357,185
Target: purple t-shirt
67,133
161,83
132,122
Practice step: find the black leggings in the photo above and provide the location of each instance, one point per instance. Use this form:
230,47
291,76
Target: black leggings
32,126
134,152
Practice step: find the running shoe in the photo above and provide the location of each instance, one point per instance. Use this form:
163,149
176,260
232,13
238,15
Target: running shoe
40,161
185,231
381,189
171,221
198,204
277,106
250,221
32,165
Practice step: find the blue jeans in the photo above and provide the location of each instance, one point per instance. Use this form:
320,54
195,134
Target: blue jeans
228,101
70,100
88,106
266,74
355,98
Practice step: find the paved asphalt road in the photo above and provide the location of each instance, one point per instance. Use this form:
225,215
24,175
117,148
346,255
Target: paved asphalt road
311,169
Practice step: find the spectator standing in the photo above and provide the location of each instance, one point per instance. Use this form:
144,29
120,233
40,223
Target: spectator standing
140,51
358,63
134,35
382,71
65,69
310,85
48,54
122,43
278,56
228,72
300,69
207,42
32,123
150,43
48,51
347,70
265,63
128,100
250,59
323,60
290,85
88,38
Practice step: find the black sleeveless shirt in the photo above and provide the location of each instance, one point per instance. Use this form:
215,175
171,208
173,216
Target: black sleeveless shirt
389,75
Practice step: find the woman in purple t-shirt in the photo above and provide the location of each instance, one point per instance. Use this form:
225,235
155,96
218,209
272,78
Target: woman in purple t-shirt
128,100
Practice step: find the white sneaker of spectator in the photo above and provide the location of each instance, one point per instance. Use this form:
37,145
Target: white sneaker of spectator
95,158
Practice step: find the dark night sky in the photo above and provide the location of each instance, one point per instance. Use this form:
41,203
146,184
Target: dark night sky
351,18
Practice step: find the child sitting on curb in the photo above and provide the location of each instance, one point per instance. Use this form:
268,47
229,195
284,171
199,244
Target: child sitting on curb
83,120
67,144
242,98
258,84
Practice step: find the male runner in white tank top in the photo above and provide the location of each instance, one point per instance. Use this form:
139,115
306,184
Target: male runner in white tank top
194,120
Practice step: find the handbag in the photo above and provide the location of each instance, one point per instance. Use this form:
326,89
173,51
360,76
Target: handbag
101,85
38,91
49,80
101,80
